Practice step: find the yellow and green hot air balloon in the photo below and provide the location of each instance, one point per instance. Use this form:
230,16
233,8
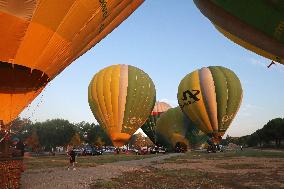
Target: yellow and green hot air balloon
39,38
211,97
121,98
174,128
257,25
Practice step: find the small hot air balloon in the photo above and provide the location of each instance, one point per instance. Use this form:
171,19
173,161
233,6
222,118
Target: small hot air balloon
39,38
149,126
210,97
121,98
255,25
174,128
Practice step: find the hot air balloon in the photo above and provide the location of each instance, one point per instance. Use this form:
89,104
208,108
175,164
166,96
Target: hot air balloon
121,98
39,38
210,97
175,129
255,25
149,126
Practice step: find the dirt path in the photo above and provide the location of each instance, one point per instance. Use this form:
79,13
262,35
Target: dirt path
61,178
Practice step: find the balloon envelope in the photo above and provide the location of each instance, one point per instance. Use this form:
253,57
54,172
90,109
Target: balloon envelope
149,127
121,98
255,25
39,38
210,97
174,127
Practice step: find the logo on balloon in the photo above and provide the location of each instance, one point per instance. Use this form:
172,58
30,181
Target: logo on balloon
190,97
135,120
227,118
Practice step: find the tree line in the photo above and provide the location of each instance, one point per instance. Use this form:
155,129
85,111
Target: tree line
58,132
271,135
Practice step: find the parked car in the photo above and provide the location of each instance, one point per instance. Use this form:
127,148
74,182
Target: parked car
97,151
156,150
162,150
141,151
92,151
79,151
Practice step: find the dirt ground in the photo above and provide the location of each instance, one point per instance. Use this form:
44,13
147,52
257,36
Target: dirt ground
167,171
82,177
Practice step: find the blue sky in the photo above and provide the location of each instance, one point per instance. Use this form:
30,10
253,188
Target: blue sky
167,39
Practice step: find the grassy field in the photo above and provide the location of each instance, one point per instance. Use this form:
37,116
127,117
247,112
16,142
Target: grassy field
44,162
251,168
231,169
230,154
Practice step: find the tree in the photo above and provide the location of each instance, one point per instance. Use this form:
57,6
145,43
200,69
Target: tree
273,130
99,142
94,132
56,132
33,141
75,140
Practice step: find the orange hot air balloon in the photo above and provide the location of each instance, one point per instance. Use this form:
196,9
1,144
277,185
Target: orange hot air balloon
39,38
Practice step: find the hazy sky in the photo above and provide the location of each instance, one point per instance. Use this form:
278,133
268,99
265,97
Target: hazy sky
167,39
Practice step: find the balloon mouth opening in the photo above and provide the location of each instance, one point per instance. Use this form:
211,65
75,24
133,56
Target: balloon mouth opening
181,146
120,139
216,137
179,139
16,79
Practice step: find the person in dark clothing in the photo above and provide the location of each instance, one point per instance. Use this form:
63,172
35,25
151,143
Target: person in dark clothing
72,159
21,147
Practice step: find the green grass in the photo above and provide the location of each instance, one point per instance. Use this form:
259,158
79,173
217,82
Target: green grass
83,161
225,155
100,183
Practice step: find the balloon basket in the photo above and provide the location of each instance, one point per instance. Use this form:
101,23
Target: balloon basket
10,170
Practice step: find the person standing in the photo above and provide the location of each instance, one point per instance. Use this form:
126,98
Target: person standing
21,147
72,159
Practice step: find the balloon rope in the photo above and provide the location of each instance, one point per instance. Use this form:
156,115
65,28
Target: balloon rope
30,107
38,104
6,134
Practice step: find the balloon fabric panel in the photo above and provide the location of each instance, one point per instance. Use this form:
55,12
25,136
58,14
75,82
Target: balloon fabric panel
209,96
196,107
221,94
44,36
255,25
249,46
234,97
